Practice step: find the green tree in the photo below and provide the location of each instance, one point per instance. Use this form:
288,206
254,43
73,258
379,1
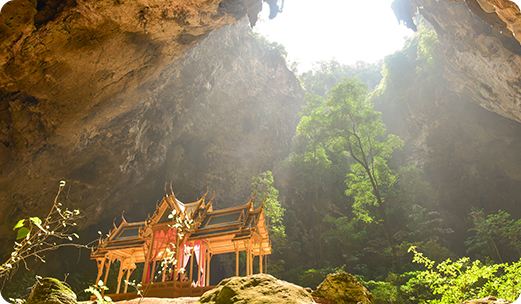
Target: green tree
328,74
355,127
311,128
262,184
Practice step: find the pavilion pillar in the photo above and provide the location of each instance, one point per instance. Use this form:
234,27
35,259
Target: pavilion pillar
236,259
260,262
205,268
164,272
248,262
199,263
120,276
129,272
101,264
106,273
191,263
251,261
147,261
153,270
177,261
208,268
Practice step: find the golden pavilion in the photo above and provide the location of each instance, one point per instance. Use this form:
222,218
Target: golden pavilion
175,235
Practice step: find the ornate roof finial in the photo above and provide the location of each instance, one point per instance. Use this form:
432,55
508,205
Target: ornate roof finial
251,200
205,193
212,198
123,218
265,199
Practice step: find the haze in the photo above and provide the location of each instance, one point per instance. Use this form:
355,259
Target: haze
348,31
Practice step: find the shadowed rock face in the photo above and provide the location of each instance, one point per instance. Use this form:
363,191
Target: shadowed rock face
468,152
483,57
118,108
65,62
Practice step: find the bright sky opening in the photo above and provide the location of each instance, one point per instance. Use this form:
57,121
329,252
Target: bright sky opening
348,31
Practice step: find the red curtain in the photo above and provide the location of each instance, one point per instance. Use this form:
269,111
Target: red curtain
160,241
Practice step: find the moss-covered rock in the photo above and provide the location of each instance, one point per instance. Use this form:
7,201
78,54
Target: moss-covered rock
256,289
342,288
51,291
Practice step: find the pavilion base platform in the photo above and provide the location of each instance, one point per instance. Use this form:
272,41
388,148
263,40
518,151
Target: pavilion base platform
162,290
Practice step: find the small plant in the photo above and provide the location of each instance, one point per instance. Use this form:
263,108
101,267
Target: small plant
137,286
97,291
34,236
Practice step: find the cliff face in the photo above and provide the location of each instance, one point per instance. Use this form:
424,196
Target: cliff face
477,38
449,114
112,111
63,62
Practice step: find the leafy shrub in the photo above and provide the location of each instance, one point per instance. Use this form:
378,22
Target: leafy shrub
463,279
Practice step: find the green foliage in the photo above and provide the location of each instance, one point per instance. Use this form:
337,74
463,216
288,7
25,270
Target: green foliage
20,285
345,169
495,235
427,50
356,128
383,291
313,277
413,189
463,279
262,184
328,74
422,225
97,290
273,49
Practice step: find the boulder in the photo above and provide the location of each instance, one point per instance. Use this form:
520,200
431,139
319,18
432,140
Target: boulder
256,289
342,288
51,291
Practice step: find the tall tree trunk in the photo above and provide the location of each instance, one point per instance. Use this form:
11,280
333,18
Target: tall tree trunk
387,227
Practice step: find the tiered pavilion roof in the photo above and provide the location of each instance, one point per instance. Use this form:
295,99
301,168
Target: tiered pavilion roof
176,232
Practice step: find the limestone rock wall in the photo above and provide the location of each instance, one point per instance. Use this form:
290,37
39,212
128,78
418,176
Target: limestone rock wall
65,62
223,112
483,57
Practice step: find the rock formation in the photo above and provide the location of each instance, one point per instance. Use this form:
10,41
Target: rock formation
51,291
487,300
468,153
342,288
256,289
110,97
483,56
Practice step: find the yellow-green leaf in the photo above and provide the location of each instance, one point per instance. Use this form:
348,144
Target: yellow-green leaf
36,220
20,224
22,232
